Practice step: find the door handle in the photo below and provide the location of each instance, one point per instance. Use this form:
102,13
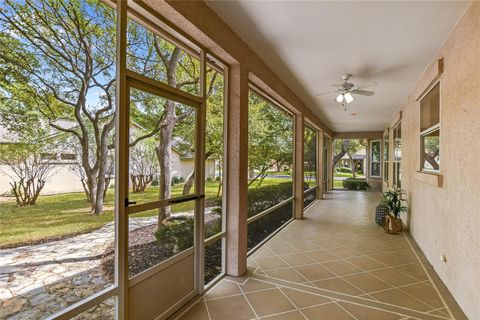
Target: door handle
127,202
185,199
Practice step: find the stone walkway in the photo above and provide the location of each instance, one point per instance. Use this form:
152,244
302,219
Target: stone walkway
41,279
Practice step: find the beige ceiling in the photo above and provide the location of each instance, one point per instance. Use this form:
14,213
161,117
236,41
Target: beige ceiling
310,44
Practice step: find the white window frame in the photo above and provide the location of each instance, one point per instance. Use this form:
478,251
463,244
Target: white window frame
433,128
379,159
317,162
386,157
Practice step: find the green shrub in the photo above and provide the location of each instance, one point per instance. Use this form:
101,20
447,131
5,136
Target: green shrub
266,225
356,184
213,227
262,198
176,233
344,170
177,180
154,182
209,179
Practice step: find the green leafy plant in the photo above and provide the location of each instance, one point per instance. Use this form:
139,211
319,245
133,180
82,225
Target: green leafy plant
177,233
177,180
356,184
393,199
344,170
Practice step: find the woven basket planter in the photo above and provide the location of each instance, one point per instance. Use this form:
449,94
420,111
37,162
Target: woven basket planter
380,212
392,225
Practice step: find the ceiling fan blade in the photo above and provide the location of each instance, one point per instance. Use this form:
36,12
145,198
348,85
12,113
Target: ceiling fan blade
363,92
367,85
324,93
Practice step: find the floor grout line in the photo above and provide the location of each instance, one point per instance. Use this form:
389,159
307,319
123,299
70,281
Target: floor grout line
248,301
346,311
356,246
296,307
348,301
430,278
208,312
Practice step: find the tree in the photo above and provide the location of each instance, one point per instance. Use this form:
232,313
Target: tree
339,149
348,147
310,153
61,57
270,138
214,124
65,52
29,168
170,122
143,165
432,151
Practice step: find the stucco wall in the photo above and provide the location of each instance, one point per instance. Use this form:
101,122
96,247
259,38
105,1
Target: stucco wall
61,180
445,220
183,167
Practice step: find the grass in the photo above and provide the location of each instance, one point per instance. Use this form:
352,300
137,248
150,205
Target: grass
347,175
337,184
67,214
289,173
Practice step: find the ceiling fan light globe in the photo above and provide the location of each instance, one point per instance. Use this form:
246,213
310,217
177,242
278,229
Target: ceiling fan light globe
348,97
339,98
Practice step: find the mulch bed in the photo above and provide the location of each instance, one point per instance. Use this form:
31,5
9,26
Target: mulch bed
145,252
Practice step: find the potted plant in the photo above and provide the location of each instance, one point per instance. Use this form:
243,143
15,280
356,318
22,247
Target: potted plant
393,200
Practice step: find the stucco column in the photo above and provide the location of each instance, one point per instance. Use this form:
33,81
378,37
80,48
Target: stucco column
237,171
320,190
298,163
330,163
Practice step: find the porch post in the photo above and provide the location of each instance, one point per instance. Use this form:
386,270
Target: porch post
121,167
237,171
298,163
330,163
320,164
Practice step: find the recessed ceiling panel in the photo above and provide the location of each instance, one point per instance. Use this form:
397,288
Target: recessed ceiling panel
311,44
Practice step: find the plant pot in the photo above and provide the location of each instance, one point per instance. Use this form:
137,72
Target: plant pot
392,225
381,211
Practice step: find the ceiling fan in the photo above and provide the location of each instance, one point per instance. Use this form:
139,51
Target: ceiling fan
346,90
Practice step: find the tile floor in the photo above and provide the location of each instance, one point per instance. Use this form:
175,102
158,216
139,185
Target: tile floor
334,264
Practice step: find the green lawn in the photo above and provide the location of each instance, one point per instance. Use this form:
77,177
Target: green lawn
347,175
67,214
337,184
289,173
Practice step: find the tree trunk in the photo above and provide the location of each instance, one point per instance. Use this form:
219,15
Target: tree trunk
251,173
342,152
98,207
352,165
431,159
140,182
164,155
92,190
187,187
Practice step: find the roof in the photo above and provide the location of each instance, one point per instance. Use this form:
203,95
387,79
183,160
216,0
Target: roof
359,155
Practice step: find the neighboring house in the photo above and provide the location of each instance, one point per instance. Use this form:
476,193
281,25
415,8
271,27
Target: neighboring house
62,179
359,159
183,165
64,157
